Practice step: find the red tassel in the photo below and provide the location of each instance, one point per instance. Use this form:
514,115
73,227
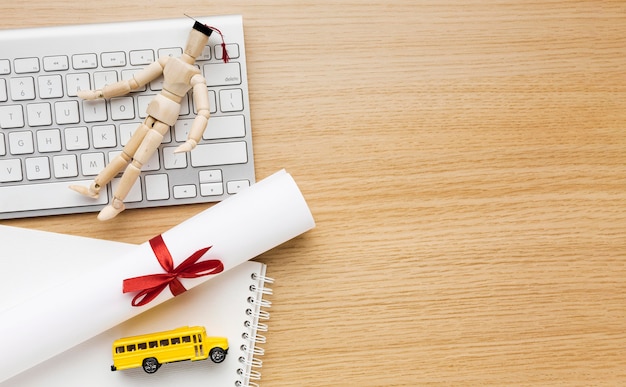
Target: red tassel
225,56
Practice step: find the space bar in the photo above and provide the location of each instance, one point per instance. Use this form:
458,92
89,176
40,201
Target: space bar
45,196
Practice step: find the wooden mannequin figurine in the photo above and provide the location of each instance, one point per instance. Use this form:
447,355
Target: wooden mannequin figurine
180,75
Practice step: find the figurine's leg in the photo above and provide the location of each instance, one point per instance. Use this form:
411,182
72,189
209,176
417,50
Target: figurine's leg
112,169
117,164
146,149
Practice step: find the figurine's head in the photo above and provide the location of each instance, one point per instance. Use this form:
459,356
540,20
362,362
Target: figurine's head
198,38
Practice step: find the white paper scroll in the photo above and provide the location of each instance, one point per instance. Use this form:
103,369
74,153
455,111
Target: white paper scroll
242,227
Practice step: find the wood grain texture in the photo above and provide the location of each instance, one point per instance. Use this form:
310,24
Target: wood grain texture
465,163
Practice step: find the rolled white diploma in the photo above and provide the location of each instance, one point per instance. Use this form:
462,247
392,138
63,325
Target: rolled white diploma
239,228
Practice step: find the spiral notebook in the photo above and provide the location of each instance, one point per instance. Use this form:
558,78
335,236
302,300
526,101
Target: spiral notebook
231,305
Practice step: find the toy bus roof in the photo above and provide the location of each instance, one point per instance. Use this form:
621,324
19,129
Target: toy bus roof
163,334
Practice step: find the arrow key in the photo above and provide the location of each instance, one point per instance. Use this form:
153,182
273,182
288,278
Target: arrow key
211,189
185,191
234,186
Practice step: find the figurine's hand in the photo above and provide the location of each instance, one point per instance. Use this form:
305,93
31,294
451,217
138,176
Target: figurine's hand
186,147
90,94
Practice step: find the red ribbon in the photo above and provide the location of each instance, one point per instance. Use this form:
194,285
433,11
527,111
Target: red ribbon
150,286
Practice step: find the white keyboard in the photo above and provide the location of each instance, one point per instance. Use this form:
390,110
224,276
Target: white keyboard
50,138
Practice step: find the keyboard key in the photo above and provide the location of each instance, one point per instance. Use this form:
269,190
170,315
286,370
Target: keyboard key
66,112
50,86
173,160
167,137
39,114
95,111
21,143
3,90
231,100
65,166
210,176
134,195
184,106
157,84
22,88
153,163
205,55
37,168
103,136
56,63
212,103
128,74
122,108
185,191
26,65
46,195
211,189
84,61
49,140
126,132
225,127
181,129
11,117
141,57
173,51
222,74
233,187
75,82
76,138
10,170
5,66
142,104
205,155
232,49
103,78
92,163
157,187
113,59
3,150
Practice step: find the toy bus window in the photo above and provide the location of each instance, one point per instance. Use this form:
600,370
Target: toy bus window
164,342
175,340
142,346
131,347
199,338
119,349
186,339
152,344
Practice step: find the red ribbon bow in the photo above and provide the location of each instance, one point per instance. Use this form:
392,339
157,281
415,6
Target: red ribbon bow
150,286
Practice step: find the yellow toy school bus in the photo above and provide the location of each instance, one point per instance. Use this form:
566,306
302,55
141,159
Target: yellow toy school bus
152,350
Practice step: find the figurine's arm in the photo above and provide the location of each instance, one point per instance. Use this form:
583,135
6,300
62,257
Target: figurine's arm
139,79
201,102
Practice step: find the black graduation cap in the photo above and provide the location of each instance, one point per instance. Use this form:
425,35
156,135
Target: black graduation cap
208,30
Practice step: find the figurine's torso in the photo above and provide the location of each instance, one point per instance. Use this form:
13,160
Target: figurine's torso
177,76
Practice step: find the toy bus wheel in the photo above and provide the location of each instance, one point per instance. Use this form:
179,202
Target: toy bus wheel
217,354
150,365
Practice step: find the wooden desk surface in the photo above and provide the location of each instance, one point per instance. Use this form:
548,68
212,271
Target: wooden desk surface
466,166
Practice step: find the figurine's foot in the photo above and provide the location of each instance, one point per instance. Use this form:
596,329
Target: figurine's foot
87,191
109,212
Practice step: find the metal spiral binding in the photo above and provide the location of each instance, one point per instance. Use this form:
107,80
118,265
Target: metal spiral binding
249,351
